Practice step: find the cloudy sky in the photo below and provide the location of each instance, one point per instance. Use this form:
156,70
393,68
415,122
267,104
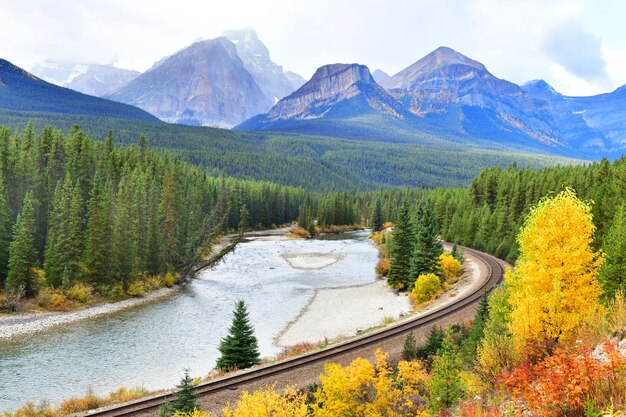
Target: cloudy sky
578,46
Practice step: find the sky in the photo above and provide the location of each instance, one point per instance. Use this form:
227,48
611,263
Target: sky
578,46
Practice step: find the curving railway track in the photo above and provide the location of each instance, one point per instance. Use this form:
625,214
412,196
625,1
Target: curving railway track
304,369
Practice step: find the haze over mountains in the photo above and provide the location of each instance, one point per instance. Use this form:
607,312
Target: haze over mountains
22,92
231,81
93,79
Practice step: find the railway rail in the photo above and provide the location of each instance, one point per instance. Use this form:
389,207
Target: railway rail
145,406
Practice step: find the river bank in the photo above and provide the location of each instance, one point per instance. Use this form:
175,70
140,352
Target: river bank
346,311
22,324
12,326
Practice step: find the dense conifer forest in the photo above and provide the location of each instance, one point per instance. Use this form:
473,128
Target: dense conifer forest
76,213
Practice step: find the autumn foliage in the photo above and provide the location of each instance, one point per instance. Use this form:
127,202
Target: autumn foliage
425,289
363,389
450,267
553,288
566,382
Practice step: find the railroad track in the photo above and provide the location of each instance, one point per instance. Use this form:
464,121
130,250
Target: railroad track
495,270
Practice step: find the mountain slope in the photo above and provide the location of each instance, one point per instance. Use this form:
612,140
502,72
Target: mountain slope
93,79
205,84
338,91
380,76
255,56
605,113
572,128
460,93
21,91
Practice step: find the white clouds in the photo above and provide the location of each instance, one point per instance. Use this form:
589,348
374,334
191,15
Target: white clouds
506,36
578,51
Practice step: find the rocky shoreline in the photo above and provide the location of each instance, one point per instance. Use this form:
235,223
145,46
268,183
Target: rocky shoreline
13,326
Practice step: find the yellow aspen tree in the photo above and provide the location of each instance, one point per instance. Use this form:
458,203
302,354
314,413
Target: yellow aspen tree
553,289
266,402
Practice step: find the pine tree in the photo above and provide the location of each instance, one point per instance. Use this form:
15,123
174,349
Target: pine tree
22,252
377,220
239,349
428,247
186,397
613,272
401,249
445,386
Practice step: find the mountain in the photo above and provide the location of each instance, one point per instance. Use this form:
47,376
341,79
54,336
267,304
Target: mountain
461,94
605,113
205,84
22,92
572,128
93,79
380,76
338,91
270,77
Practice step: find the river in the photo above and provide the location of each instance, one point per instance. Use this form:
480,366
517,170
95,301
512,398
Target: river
151,345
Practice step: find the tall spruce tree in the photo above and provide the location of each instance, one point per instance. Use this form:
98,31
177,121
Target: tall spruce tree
401,249
5,231
23,252
98,246
377,219
239,349
64,245
428,247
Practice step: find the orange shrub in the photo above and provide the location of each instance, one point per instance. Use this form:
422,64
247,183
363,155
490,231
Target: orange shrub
298,232
53,299
295,350
377,237
387,225
564,383
382,267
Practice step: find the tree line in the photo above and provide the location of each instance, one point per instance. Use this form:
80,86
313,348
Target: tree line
74,210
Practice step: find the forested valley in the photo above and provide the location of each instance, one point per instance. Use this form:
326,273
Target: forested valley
84,219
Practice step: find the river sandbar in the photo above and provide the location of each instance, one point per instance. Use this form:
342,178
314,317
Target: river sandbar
311,261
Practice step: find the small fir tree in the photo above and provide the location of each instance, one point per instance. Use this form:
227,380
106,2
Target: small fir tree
239,349
433,342
409,349
186,397
477,330
446,386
